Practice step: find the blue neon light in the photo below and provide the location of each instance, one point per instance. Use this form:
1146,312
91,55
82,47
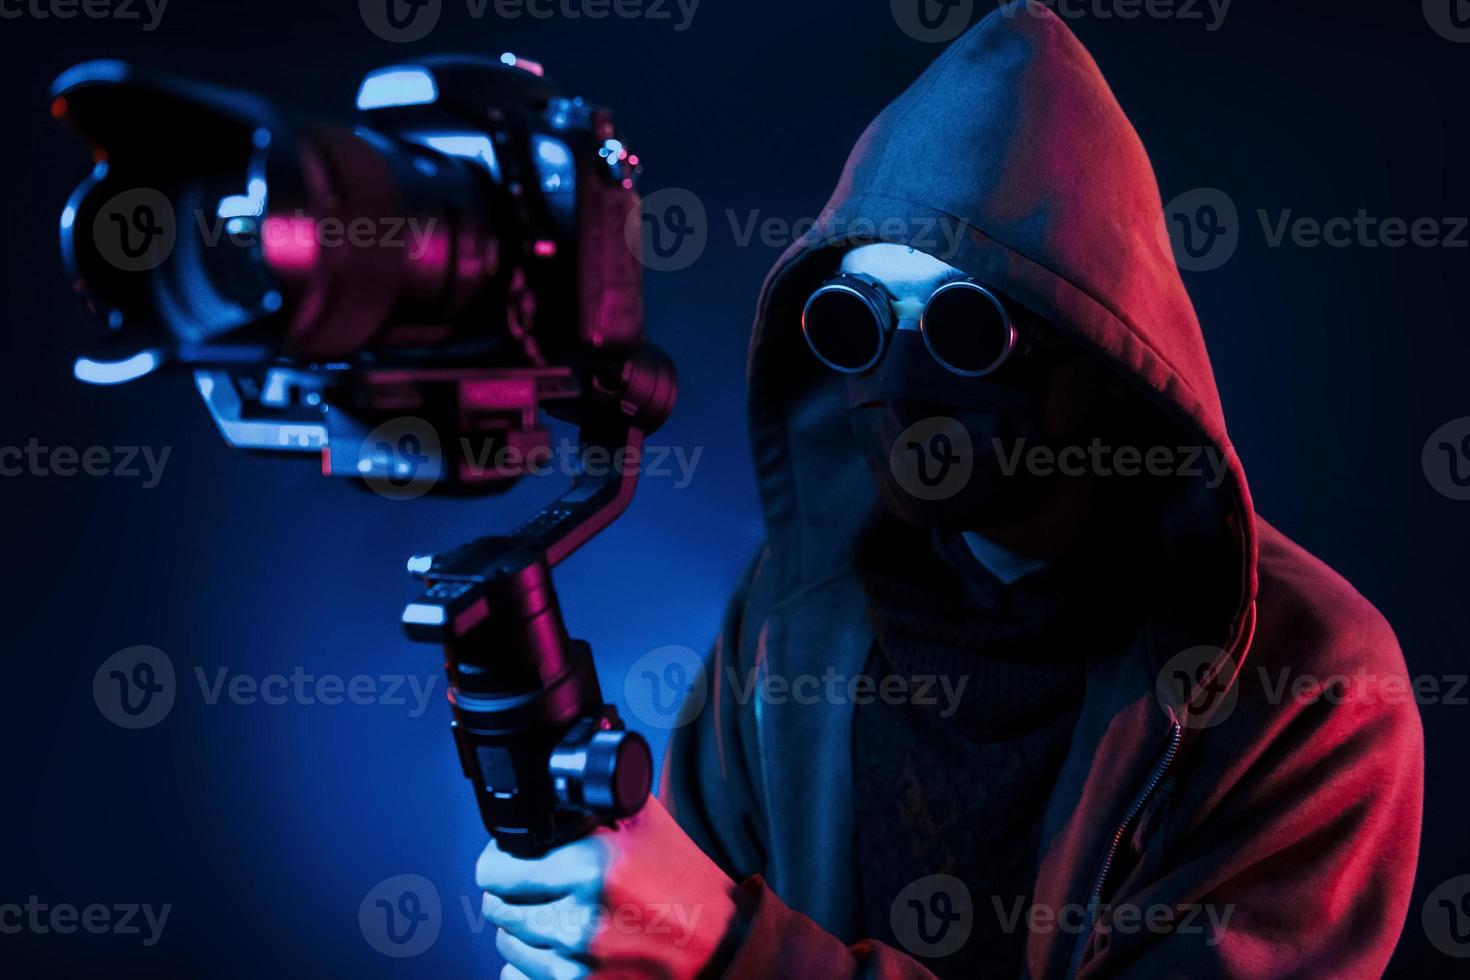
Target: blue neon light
390,87
115,372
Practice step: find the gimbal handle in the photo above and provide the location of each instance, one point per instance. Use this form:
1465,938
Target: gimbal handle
548,759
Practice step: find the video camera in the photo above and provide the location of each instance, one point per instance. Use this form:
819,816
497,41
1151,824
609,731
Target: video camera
403,298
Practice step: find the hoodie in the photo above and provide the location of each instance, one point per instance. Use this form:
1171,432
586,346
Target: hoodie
1241,795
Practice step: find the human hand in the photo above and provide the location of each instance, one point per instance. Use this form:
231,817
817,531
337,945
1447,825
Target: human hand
636,899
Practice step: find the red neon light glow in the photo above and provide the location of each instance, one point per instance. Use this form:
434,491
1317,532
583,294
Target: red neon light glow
289,242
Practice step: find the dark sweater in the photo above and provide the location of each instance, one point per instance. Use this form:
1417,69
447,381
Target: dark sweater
955,783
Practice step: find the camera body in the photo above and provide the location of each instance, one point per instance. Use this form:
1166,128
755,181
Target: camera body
400,296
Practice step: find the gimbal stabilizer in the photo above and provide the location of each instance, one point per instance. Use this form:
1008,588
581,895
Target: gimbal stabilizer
549,760
525,295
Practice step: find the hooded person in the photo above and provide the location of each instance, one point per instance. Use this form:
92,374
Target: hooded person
1171,749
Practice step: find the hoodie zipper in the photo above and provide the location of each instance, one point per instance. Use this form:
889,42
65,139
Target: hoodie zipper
1134,809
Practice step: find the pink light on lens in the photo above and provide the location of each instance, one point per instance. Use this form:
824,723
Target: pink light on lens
289,242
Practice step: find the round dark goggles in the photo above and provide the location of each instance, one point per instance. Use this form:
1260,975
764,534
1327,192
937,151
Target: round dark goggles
848,321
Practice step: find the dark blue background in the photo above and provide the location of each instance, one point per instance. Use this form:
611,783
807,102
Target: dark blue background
265,826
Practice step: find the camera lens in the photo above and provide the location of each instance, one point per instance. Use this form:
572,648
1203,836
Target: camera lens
845,325
967,329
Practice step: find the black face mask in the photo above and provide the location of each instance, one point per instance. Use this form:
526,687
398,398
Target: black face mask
950,407
949,451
